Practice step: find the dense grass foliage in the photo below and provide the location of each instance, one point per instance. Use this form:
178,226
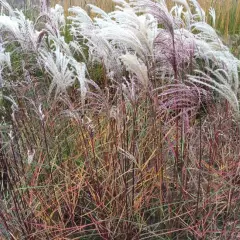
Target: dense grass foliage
119,125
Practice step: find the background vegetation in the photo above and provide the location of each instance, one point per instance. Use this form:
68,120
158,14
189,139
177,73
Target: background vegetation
227,11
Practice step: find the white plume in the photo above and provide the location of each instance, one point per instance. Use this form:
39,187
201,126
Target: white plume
136,67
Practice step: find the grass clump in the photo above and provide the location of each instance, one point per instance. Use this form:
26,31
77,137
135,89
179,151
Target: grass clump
121,126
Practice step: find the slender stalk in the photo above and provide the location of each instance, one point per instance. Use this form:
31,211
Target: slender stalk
200,170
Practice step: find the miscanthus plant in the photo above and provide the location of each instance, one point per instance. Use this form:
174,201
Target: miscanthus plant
124,125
